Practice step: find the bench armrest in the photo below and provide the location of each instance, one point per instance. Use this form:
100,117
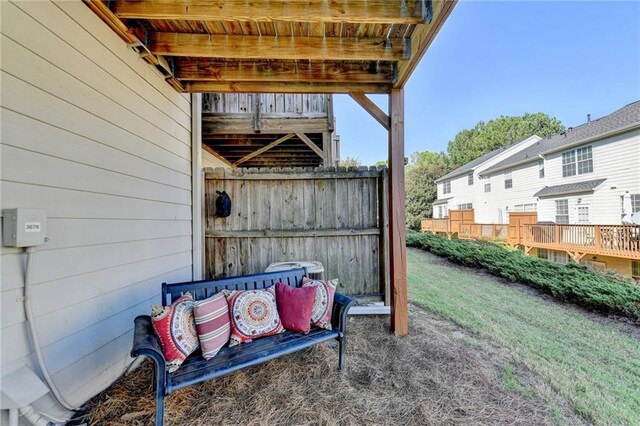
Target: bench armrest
341,306
145,342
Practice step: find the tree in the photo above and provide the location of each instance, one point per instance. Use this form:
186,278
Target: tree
350,162
420,189
470,144
381,163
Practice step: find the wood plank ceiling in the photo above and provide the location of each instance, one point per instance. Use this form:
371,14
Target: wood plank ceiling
292,46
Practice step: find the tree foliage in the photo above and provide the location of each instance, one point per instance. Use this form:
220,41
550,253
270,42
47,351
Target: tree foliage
469,144
350,162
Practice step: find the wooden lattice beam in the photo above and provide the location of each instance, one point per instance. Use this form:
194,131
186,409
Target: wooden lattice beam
352,11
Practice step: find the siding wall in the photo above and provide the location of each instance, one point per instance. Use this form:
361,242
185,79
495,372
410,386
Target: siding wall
617,159
526,182
94,136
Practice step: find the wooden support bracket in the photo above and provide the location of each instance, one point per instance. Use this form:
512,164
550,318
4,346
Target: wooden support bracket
304,138
373,109
215,154
263,149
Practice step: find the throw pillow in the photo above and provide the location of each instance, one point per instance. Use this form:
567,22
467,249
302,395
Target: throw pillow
212,324
176,329
254,313
323,303
295,306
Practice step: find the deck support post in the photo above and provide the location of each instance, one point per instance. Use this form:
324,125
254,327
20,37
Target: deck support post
397,226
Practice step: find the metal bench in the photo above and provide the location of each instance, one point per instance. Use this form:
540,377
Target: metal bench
196,369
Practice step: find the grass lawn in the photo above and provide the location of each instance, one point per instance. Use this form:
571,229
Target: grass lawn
595,367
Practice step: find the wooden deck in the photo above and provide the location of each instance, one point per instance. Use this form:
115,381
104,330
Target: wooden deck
622,241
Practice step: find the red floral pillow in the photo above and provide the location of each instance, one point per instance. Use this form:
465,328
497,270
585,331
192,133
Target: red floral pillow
295,306
323,303
176,329
253,314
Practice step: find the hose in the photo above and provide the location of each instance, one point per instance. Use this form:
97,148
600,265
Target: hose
34,336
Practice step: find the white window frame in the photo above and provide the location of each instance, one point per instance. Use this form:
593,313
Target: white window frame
580,218
508,180
446,187
465,206
541,169
577,161
562,213
469,179
487,187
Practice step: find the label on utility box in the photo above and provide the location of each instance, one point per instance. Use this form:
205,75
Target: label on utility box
32,227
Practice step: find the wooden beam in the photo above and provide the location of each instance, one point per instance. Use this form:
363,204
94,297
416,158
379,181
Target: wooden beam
311,144
216,154
353,11
212,125
289,48
284,87
397,227
422,37
373,109
264,149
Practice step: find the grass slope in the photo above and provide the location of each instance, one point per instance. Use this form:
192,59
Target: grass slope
595,367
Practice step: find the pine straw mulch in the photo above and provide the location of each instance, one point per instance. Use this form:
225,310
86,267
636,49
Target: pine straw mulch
429,377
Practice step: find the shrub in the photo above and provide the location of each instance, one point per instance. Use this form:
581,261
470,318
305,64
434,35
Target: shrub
571,282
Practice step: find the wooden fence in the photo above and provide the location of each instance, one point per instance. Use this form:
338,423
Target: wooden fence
334,216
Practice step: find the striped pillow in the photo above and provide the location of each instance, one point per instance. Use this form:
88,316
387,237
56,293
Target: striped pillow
212,324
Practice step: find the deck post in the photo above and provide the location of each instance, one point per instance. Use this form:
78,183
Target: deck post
397,226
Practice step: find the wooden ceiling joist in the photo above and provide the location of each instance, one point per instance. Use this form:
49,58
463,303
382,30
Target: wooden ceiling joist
359,11
204,69
289,48
283,87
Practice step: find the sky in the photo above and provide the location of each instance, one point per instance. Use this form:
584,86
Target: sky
566,59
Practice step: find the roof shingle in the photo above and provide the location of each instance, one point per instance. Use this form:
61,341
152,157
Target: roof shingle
570,188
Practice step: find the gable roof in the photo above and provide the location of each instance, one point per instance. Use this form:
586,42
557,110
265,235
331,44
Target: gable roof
626,118
470,165
570,188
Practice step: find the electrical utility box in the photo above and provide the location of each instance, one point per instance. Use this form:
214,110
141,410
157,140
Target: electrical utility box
23,227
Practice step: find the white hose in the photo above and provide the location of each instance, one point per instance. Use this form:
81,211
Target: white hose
34,335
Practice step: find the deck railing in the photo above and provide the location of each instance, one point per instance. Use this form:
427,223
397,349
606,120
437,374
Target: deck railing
616,240
483,231
434,225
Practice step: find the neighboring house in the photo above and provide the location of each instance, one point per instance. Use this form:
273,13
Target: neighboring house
463,189
576,177
579,176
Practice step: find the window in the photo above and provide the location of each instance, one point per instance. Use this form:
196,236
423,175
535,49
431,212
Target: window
635,270
508,181
578,161
440,216
519,208
585,160
560,257
541,168
465,206
446,211
635,203
568,163
583,215
469,179
487,187
446,187
562,211
543,253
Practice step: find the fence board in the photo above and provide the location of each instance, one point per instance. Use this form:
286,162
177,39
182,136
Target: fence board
327,215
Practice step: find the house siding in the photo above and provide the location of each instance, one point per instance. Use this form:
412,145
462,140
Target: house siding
525,180
615,158
94,136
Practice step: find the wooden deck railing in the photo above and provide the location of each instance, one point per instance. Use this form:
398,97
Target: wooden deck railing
613,240
434,225
483,231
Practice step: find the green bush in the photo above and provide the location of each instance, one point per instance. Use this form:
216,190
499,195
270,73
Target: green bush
571,282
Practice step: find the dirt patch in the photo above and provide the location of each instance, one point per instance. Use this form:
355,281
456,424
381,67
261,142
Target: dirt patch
436,375
618,322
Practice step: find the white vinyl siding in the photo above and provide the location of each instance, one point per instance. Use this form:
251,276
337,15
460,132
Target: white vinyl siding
95,136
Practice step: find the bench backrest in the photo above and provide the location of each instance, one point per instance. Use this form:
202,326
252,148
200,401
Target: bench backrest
207,288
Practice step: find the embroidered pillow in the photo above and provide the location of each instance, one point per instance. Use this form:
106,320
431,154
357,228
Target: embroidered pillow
176,330
212,324
295,306
253,314
323,303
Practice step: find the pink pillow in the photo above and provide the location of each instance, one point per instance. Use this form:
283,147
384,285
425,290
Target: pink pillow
295,306
323,303
212,324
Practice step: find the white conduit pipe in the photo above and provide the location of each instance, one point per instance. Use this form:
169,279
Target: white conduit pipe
34,335
35,418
